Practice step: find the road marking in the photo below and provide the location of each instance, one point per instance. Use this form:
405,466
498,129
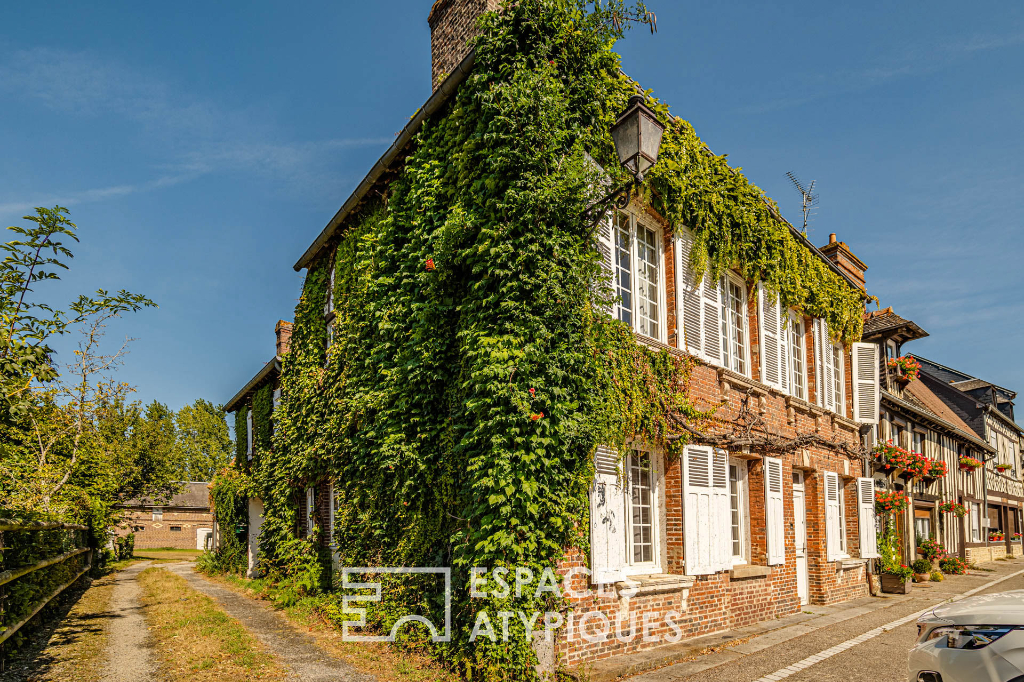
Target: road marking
870,634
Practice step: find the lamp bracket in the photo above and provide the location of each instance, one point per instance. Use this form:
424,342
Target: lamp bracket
619,197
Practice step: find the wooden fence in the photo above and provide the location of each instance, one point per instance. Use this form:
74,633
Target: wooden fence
72,543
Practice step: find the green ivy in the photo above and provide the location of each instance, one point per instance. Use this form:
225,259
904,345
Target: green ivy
241,436
229,496
459,407
262,406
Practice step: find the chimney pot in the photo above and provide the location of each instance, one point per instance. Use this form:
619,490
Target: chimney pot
283,330
832,238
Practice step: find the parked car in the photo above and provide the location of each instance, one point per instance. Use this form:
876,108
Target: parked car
978,639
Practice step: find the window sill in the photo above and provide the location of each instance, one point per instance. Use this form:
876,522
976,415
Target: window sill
655,583
849,564
747,571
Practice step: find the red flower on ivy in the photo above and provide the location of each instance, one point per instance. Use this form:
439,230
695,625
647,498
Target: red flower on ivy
430,265
532,392
535,417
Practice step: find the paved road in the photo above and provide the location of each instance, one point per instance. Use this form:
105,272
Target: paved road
883,658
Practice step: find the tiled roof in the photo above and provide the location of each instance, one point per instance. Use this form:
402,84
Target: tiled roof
196,495
917,393
879,321
970,384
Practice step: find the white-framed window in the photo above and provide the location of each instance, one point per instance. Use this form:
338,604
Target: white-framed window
918,442
838,370
835,517
890,350
739,512
975,522
797,355
158,513
733,322
626,515
642,491
637,274
329,314
310,509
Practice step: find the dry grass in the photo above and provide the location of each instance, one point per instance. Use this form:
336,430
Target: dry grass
69,649
385,661
195,639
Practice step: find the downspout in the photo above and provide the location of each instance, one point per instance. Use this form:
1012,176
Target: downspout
680,330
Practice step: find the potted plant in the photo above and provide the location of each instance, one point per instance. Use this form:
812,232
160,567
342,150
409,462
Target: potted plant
953,508
952,565
919,466
890,501
931,550
921,568
906,368
892,458
1015,537
896,579
937,469
996,536
969,463
1002,467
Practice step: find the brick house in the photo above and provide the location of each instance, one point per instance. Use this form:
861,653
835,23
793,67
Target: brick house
267,378
725,536
184,522
915,418
988,410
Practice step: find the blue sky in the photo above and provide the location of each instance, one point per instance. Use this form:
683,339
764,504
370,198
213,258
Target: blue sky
201,147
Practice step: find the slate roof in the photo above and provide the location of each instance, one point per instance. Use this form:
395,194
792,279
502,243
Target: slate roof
917,392
196,495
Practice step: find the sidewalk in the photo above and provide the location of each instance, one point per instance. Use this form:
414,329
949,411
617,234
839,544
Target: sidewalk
689,657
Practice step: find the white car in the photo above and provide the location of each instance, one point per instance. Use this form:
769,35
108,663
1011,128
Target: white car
978,639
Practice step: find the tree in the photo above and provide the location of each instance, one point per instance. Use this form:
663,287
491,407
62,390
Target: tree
203,444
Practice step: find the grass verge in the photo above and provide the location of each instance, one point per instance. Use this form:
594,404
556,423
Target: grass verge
195,639
385,661
167,553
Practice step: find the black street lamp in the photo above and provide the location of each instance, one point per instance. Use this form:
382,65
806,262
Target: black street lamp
637,136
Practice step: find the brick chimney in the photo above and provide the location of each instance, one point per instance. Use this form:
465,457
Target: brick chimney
283,330
452,26
840,254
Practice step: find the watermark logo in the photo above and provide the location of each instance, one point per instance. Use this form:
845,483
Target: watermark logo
592,626
348,599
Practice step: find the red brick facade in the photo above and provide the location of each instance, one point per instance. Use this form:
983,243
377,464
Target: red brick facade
180,529
452,25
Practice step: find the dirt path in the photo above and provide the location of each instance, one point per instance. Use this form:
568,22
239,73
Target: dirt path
129,656
295,649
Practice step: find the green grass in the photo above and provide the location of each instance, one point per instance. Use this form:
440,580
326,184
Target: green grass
167,553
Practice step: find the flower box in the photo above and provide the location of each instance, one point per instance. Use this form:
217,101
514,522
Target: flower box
906,368
969,463
890,501
1003,467
894,584
953,508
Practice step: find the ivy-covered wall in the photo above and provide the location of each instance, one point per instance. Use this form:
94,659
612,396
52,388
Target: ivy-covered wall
459,407
241,435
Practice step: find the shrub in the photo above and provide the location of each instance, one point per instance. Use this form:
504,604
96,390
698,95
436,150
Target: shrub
124,547
922,566
952,565
937,576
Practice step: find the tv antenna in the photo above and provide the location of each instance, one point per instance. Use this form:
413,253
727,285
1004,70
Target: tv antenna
810,199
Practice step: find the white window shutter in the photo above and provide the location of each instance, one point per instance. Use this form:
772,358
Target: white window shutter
819,389
866,518
711,293
699,511
721,539
607,519
866,393
277,397
832,529
771,346
604,248
248,433
310,509
775,524
692,309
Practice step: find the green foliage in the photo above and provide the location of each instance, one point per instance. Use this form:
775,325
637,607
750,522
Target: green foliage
890,548
458,408
203,445
262,406
241,431
24,548
921,566
953,565
229,495
936,576
124,547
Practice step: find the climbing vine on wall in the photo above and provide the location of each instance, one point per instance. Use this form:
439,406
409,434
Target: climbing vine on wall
241,435
262,406
459,405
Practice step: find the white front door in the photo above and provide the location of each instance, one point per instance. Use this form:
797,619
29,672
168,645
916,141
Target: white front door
204,538
255,523
800,516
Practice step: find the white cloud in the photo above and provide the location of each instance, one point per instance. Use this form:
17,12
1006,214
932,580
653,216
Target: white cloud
194,137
